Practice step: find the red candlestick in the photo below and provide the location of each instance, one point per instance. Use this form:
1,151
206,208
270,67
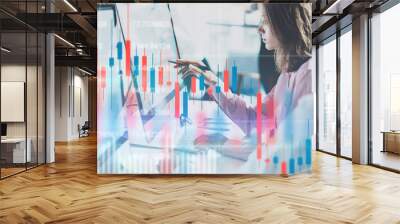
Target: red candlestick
160,75
103,77
193,83
144,73
283,168
128,58
226,80
177,100
259,124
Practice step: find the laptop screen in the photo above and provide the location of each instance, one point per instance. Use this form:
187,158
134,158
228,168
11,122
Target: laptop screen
153,44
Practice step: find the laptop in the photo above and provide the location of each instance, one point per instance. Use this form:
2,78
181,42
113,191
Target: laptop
152,116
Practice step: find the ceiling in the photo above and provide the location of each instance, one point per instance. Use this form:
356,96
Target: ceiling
74,21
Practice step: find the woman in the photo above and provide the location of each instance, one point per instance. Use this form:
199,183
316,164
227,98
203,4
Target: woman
285,28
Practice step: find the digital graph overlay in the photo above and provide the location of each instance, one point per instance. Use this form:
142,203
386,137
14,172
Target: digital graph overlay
151,120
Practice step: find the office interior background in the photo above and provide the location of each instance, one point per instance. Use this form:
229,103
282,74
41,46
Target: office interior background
48,83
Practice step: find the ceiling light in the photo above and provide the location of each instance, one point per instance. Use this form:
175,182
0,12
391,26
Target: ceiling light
70,5
84,71
64,40
5,50
326,11
338,6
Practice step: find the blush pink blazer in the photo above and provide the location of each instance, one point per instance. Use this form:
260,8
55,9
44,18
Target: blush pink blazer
282,99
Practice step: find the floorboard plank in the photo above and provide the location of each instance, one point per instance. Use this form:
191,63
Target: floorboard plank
70,191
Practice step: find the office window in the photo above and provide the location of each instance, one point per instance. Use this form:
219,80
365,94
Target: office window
327,96
385,88
346,93
240,44
238,26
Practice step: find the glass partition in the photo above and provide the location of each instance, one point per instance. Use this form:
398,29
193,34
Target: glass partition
31,97
14,151
346,93
22,89
41,85
327,96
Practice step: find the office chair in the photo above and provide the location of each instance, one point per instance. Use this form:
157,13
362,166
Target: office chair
84,130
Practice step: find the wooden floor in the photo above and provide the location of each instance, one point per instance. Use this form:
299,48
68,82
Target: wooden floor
70,191
5,172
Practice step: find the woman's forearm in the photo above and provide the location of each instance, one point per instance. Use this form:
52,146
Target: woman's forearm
235,108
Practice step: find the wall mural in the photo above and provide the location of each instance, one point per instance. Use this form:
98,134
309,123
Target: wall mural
181,89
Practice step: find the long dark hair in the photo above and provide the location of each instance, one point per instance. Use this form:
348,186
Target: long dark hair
291,24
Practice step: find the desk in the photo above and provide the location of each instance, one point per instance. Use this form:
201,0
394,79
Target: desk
140,160
391,141
15,148
137,155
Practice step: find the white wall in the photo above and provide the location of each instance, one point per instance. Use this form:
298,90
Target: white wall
71,94
61,103
33,127
80,115
11,73
17,73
